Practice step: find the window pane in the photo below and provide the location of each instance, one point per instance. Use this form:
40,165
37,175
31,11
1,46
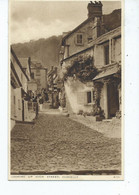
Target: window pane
89,97
79,38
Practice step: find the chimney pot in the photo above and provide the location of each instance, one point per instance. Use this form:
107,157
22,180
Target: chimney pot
94,9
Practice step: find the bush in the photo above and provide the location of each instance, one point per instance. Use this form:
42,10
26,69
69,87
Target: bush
82,67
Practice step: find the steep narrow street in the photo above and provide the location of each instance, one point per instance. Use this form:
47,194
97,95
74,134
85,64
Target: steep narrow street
57,143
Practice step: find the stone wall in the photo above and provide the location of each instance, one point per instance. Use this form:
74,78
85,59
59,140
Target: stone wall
86,30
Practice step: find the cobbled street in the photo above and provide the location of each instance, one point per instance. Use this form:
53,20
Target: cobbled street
57,143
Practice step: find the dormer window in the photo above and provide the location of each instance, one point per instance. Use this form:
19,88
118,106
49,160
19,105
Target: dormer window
79,39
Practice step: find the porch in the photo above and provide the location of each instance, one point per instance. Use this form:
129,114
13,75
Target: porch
108,91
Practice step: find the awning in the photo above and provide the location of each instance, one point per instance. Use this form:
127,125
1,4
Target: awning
108,71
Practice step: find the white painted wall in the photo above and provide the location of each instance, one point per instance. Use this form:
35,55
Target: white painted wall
73,89
99,56
18,104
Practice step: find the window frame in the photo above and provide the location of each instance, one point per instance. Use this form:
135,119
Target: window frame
79,43
90,94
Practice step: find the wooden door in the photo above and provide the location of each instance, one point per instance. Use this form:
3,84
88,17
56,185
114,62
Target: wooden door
113,100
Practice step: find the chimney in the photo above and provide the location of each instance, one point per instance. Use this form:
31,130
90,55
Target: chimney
94,9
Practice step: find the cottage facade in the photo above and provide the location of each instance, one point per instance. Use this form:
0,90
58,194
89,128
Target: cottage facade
90,44
38,74
19,79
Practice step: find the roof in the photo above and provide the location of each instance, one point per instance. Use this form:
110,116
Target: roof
24,62
18,62
111,21
108,71
14,77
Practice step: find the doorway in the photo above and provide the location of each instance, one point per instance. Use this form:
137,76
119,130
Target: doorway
113,99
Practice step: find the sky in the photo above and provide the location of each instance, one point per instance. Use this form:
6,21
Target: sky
32,20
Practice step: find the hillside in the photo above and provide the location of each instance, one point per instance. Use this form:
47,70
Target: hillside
44,50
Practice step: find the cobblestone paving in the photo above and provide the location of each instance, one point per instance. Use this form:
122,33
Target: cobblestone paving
56,143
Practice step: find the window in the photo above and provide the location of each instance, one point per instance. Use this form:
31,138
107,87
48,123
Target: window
89,98
79,39
32,75
106,53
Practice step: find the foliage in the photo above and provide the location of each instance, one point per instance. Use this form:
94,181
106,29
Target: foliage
82,67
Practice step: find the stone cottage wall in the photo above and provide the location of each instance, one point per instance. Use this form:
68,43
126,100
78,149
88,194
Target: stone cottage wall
71,41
